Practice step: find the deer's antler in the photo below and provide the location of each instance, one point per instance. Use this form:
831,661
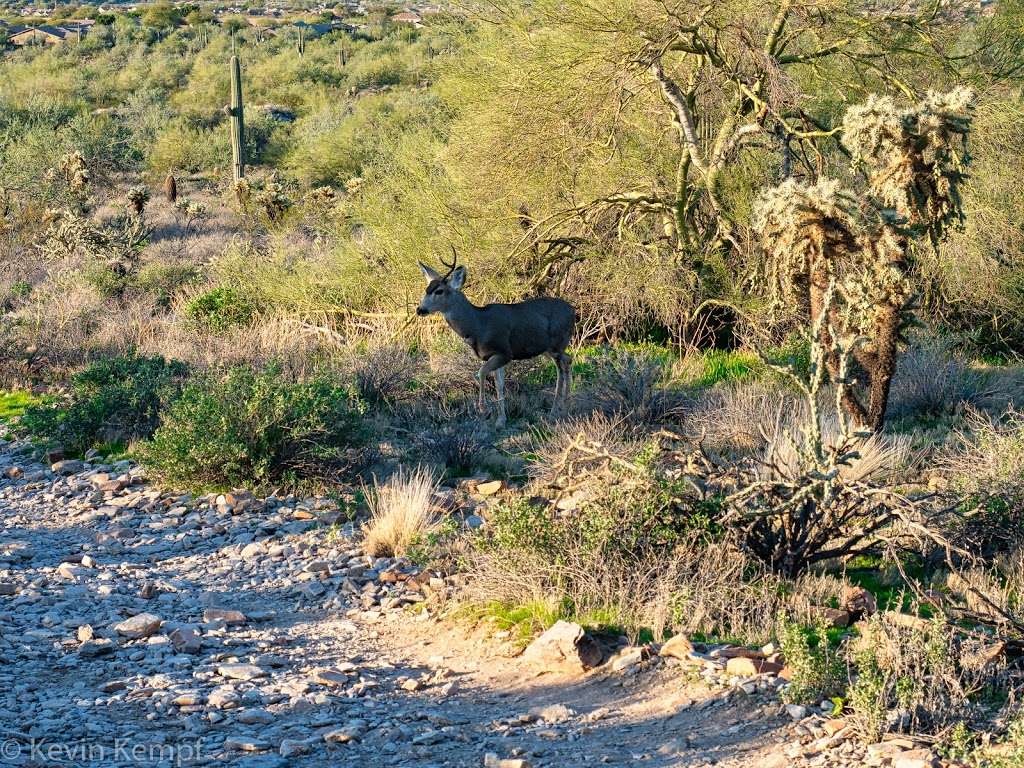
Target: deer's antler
455,261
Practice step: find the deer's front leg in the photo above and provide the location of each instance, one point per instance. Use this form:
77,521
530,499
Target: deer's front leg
494,363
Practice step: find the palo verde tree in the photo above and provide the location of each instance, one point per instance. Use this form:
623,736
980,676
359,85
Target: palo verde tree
639,131
864,241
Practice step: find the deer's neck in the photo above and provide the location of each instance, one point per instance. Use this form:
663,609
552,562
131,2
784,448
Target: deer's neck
463,317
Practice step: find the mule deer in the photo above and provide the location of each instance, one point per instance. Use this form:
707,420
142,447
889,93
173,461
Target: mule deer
500,333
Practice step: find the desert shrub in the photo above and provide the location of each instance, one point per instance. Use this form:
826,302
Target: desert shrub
402,513
736,416
163,281
985,464
459,446
117,399
818,669
917,676
255,429
221,308
932,380
631,383
384,375
109,283
190,149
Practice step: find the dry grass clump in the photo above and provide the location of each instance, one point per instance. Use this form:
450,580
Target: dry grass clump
631,385
698,587
932,380
872,459
614,433
401,513
384,375
987,455
736,416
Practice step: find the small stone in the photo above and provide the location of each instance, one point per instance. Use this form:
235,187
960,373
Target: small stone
914,758
332,678
73,571
84,633
833,726
223,697
565,647
491,760
628,657
344,735
489,488
411,685
796,712
253,550
742,666
677,647
227,616
552,713
139,626
186,640
241,671
96,647
293,748
244,744
67,467
255,717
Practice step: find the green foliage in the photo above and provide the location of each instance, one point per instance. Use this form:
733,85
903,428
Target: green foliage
724,365
867,695
255,429
14,403
521,524
221,308
115,399
163,281
818,670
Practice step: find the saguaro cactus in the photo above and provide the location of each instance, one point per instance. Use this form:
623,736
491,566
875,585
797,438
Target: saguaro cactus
237,122
302,42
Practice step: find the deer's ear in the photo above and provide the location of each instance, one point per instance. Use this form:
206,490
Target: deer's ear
428,272
458,278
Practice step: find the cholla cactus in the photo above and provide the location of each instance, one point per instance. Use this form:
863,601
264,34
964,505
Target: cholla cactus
137,198
915,157
267,199
75,172
813,235
806,231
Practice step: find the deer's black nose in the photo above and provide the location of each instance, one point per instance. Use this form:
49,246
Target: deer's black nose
420,311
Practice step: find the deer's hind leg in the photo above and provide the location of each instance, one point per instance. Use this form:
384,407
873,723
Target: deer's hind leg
563,381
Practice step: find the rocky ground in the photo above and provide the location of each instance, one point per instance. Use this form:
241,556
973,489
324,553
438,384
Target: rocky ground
139,627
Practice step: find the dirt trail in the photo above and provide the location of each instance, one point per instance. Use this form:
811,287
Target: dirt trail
256,639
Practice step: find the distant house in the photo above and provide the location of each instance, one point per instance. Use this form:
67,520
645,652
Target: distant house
46,35
408,17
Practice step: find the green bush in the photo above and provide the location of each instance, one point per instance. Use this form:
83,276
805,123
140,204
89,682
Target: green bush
627,517
255,429
221,308
818,670
164,280
113,400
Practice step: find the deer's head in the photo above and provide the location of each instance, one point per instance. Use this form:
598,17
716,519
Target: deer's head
441,288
